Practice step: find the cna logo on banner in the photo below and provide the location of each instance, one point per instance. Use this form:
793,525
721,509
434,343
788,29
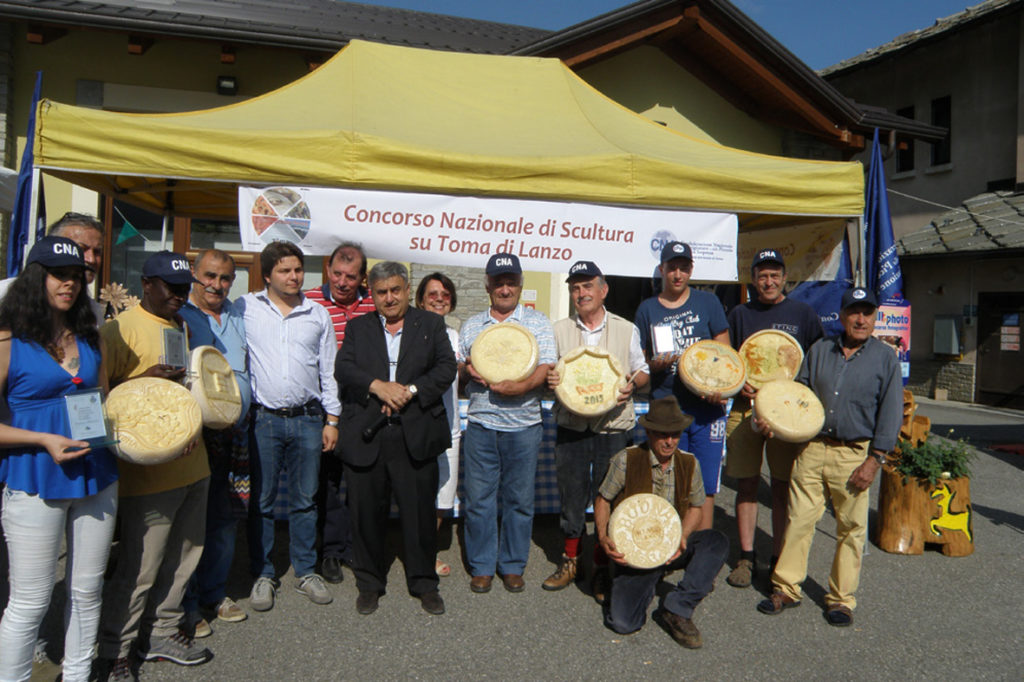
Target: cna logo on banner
658,241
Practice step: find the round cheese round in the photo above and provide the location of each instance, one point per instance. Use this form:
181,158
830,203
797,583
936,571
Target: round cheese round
646,529
709,367
154,419
214,387
790,409
589,381
504,352
771,354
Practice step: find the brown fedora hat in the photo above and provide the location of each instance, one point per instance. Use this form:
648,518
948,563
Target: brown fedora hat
664,415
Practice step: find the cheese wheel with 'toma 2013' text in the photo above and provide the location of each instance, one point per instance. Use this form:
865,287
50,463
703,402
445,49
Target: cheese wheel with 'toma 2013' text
589,381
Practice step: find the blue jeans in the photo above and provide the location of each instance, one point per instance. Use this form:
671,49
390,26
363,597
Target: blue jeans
500,467
292,444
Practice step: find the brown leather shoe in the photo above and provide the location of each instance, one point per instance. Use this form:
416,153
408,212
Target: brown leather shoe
481,583
513,582
564,576
682,630
776,604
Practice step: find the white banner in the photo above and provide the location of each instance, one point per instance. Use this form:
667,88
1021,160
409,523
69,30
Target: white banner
436,229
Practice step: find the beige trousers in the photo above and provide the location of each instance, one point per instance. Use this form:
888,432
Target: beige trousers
161,543
819,470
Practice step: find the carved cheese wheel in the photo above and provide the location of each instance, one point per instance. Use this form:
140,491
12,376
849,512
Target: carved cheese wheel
214,387
646,529
790,409
771,354
154,419
504,352
589,381
709,367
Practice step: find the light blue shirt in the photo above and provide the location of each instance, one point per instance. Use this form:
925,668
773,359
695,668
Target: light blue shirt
499,412
291,358
394,342
229,339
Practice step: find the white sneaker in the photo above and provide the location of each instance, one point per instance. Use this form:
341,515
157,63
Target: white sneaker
230,612
262,596
313,586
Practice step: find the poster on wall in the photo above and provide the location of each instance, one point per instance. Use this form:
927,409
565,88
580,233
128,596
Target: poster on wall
892,327
548,236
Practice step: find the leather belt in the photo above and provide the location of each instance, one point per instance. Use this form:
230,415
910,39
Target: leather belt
311,408
836,443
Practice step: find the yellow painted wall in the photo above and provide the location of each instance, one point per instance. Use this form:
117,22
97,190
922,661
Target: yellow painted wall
648,82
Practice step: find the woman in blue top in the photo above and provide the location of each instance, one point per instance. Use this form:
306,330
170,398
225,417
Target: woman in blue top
50,347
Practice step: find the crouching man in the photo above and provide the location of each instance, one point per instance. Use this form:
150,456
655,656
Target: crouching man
664,470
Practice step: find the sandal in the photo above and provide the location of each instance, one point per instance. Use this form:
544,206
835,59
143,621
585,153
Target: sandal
442,569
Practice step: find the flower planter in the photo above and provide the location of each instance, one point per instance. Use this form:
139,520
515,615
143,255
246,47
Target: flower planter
916,513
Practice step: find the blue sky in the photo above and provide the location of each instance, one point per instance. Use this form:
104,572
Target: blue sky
820,32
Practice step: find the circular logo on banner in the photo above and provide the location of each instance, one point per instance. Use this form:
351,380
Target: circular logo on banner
658,241
280,213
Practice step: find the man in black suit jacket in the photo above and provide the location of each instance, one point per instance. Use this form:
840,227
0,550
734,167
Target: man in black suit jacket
392,370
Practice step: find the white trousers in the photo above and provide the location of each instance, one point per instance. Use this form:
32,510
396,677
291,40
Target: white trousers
34,528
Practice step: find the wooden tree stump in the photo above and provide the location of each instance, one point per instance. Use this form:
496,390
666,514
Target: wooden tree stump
916,513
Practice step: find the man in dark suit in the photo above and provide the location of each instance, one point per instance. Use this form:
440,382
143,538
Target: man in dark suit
392,371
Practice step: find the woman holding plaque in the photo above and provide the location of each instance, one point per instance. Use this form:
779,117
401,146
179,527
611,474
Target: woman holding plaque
50,350
436,293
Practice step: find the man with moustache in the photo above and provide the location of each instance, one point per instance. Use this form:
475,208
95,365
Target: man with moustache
292,349
770,310
393,370
345,297
503,437
680,316
584,446
857,379
228,448
162,507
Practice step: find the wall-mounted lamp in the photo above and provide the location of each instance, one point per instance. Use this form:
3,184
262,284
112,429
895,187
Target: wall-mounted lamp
227,85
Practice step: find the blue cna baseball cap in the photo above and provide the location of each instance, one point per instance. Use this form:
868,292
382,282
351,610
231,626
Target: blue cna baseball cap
676,250
767,256
57,252
584,268
502,264
169,266
859,295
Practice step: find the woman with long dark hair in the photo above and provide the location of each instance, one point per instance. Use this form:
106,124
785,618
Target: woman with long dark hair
49,348
436,293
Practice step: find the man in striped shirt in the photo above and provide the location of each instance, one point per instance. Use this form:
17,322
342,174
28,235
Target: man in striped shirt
345,297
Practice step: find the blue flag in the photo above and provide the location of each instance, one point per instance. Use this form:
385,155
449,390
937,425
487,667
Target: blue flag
826,297
17,238
881,262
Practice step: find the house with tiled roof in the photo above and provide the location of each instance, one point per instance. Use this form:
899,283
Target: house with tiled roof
957,205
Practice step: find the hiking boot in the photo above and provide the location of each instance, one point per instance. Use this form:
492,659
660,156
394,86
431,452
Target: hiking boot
564,575
230,612
115,670
600,584
262,596
682,630
743,574
178,648
314,588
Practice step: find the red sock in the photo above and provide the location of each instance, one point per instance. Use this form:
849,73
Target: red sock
572,547
600,558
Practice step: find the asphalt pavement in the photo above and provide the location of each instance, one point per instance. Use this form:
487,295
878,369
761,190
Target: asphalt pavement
922,617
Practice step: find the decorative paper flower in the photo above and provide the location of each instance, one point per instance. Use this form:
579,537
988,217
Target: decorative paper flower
117,295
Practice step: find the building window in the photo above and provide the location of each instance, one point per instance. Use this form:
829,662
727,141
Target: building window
905,157
942,116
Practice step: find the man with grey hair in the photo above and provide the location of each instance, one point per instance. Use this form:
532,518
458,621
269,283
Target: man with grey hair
393,371
87,232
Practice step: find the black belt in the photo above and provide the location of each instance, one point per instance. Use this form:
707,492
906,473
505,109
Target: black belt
311,408
836,443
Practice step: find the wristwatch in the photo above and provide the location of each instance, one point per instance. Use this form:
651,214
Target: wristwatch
413,390
879,456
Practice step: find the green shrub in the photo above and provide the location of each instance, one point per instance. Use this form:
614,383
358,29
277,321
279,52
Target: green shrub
936,458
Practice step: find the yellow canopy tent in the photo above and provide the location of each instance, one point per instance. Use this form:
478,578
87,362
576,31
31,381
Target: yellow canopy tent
385,117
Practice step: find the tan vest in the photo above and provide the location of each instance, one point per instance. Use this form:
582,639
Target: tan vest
617,334
639,478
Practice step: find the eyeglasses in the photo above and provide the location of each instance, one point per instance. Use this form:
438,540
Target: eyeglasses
442,295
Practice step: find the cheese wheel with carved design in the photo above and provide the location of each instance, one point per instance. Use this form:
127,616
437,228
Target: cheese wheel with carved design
504,352
589,381
213,385
646,529
153,419
771,354
791,410
709,367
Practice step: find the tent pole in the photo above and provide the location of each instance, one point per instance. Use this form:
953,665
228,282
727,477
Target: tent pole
33,211
862,246
163,231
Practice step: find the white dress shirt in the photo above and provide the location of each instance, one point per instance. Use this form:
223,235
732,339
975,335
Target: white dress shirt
291,358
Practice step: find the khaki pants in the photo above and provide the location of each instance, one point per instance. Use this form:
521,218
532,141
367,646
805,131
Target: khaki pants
161,542
821,469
